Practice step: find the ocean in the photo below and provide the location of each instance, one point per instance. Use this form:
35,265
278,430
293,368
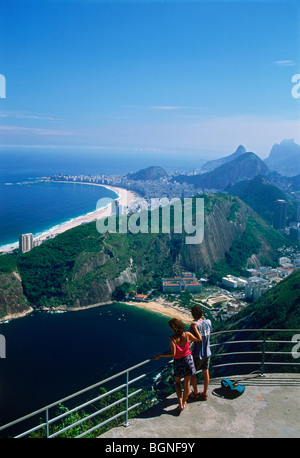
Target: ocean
30,206
27,205
50,356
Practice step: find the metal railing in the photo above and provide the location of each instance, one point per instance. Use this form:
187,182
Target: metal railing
156,383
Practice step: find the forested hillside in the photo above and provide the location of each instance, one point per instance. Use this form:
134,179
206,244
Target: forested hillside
83,267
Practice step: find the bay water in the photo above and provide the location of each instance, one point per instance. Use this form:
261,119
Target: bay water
50,356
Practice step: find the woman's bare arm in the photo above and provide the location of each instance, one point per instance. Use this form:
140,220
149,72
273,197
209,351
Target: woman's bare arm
168,353
172,345
196,336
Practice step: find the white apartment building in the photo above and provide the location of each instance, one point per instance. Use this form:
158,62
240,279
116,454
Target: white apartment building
234,282
255,288
25,242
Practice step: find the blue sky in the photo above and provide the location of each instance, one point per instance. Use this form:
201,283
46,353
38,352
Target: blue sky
171,77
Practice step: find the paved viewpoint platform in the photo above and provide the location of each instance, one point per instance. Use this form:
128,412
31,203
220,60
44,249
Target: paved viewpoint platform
268,408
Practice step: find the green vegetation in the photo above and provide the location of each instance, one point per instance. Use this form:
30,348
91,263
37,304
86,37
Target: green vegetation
278,308
46,269
251,192
211,200
249,243
63,269
81,266
8,263
121,291
246,245
109,405
70,267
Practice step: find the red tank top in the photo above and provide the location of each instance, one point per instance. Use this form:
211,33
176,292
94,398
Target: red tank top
183,351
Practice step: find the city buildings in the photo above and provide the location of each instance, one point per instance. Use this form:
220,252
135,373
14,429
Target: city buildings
234,282
187,281
295,234
165,187
255,287
25,242
280,209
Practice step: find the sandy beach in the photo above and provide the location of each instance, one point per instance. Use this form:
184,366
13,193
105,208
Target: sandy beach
125,197
164,308
158,306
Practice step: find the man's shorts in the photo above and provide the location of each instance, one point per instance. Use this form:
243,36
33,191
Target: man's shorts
201,364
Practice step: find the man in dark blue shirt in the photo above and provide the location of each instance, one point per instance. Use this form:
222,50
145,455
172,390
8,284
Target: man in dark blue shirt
201,352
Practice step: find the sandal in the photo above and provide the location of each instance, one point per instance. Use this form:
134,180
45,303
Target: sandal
202,396
192,396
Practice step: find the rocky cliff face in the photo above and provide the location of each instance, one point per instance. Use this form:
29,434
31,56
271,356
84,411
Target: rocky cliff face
225,222
88,274
226,219
222,227
13,303
101,291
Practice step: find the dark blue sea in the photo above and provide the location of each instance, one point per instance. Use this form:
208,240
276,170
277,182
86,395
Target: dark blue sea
49,356
27,205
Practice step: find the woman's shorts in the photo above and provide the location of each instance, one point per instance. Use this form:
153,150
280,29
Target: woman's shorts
184,367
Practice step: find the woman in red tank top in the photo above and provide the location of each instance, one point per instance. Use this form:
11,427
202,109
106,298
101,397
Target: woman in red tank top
183,361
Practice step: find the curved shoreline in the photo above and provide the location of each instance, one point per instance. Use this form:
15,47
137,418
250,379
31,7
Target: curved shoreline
164,308
14,316
161,307
124,198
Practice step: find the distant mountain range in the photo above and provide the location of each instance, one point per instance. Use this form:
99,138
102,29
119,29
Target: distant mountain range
149,173
285,158
244,166
281,168
245,175
211,165
251,192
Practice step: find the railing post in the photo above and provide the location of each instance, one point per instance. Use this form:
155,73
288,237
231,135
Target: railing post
262,368
47,423
127,423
